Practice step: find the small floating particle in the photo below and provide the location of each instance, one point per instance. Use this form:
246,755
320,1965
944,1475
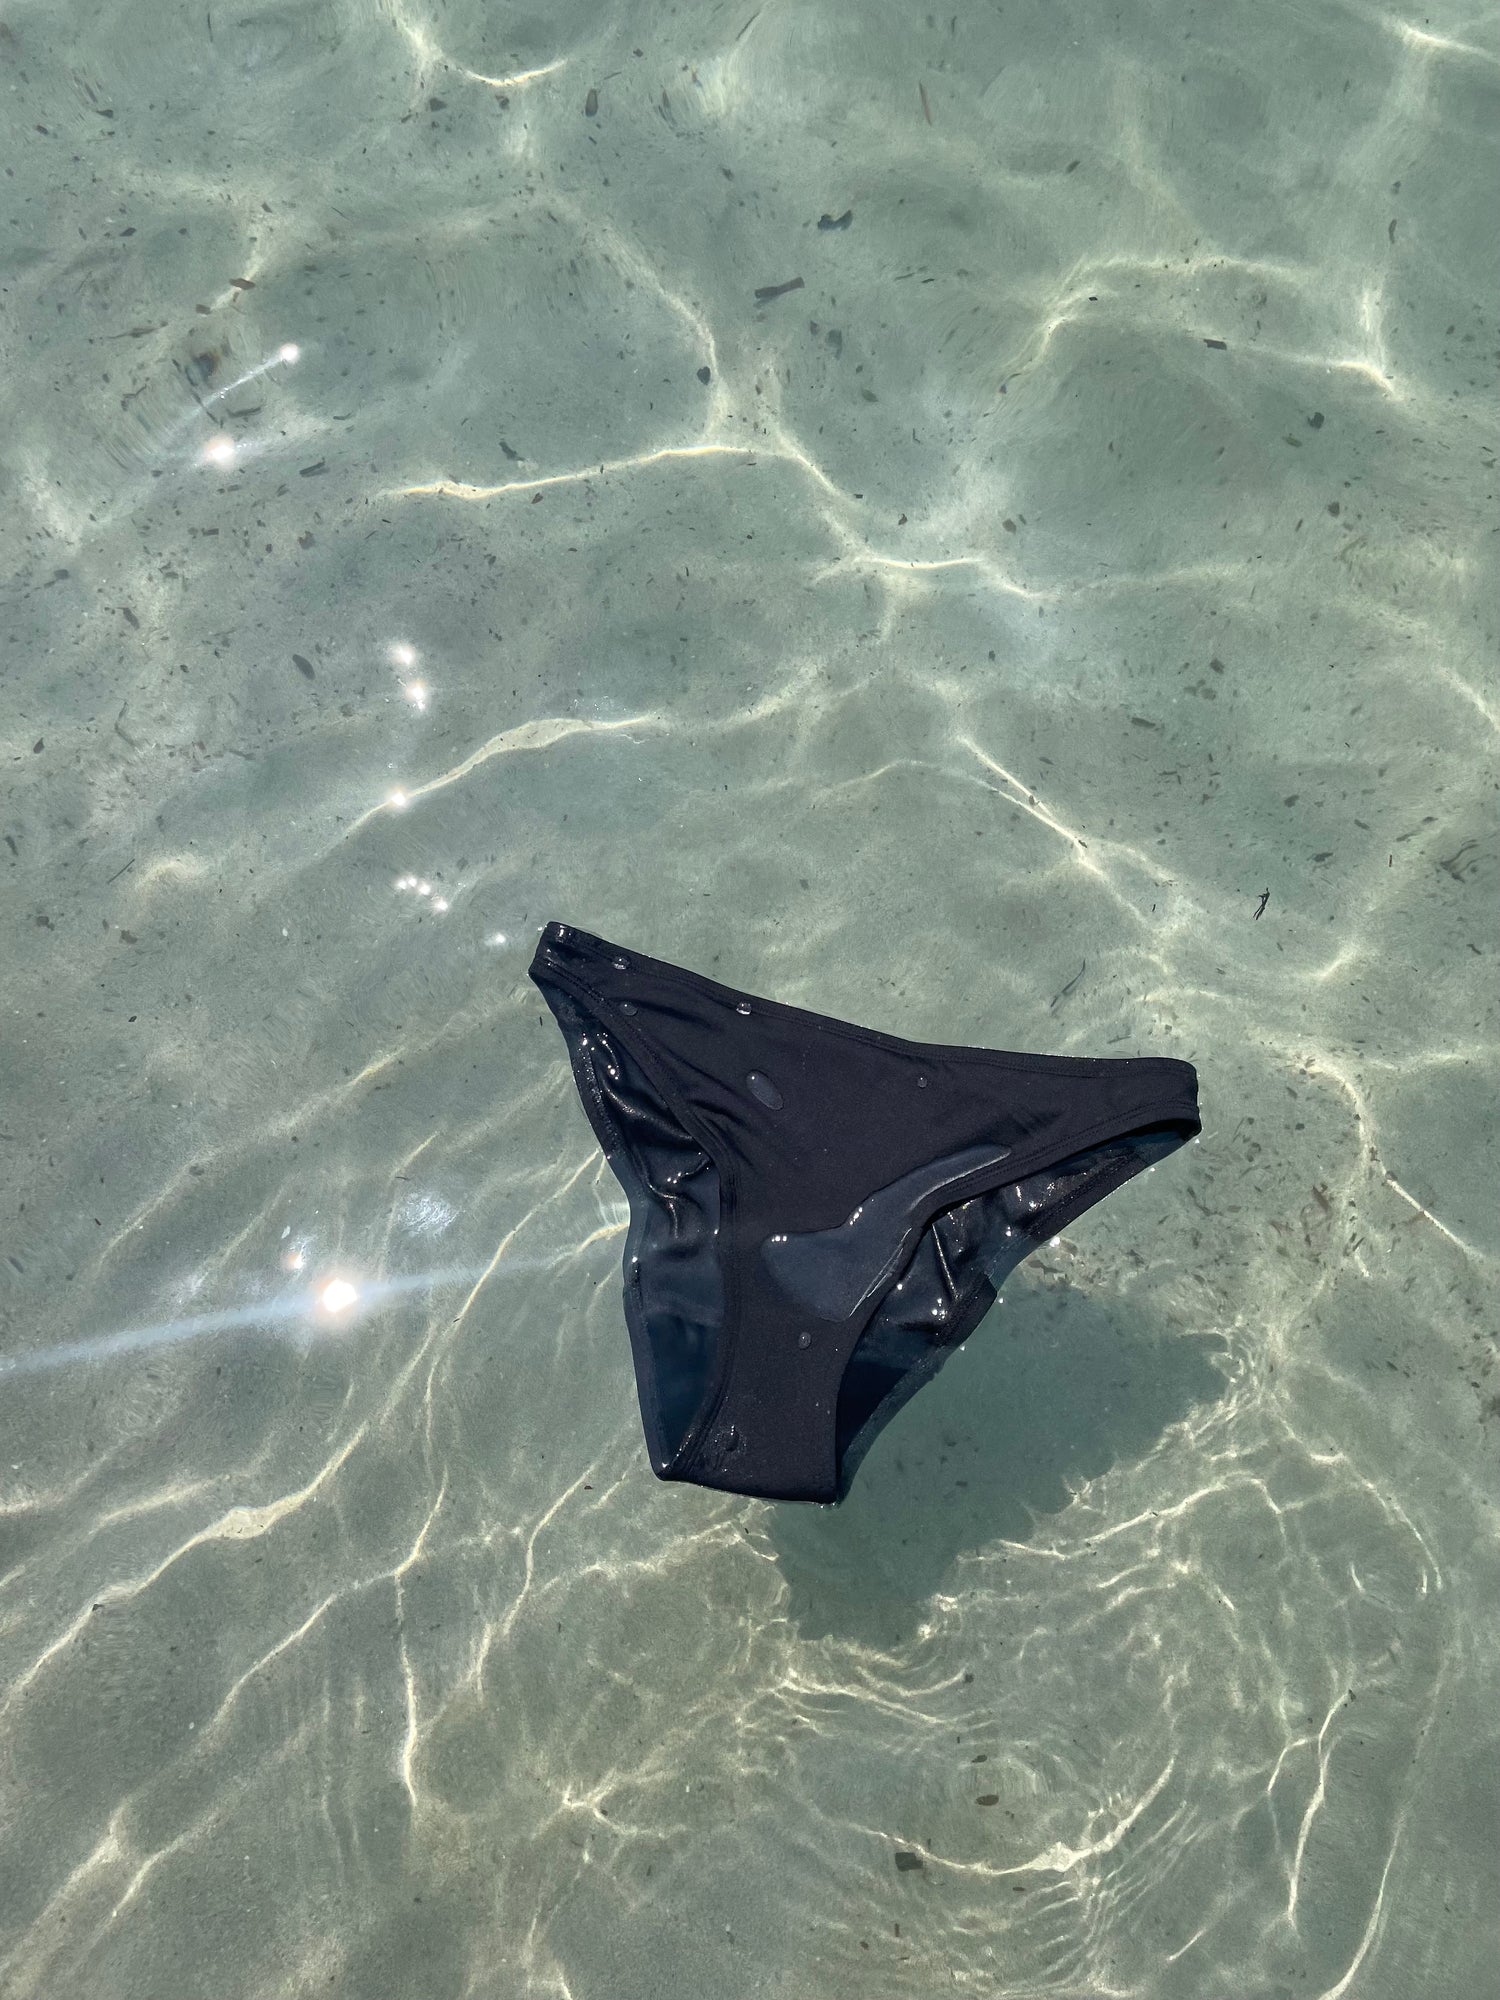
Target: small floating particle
906,1860
1063,996
926,107
836,221
1215,343
243,284
130,618
988,1799
303,666
591,105
310,471
437,104
763,293
705,375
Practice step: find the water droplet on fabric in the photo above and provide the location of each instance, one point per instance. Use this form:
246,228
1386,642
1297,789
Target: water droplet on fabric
620,964
627,1006
763,1088
743,1007
921,1083
804,1340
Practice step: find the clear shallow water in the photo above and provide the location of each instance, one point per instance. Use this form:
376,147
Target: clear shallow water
977,619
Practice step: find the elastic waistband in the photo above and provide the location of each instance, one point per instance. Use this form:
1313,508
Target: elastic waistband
614,972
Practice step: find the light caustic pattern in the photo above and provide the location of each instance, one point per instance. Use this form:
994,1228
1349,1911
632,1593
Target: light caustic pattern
439,511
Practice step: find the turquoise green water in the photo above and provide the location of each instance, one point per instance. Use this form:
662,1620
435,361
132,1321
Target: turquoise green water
415,528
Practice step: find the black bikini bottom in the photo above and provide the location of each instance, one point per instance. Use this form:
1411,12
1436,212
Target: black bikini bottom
819,1214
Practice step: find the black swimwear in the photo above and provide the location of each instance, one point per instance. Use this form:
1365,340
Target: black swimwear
819,1214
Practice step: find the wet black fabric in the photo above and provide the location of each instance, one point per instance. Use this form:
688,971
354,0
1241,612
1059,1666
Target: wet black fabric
820,1214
